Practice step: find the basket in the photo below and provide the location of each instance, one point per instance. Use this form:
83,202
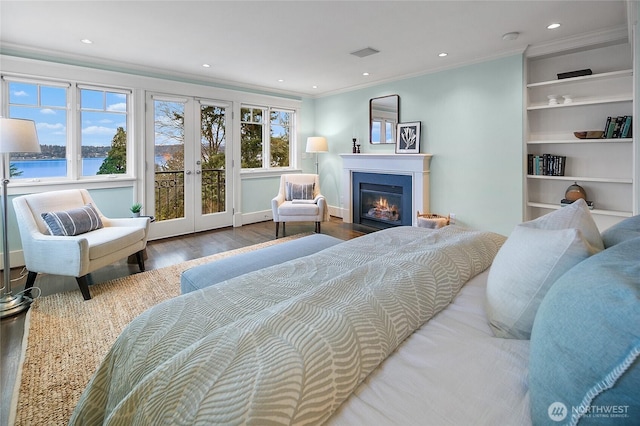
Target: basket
432,221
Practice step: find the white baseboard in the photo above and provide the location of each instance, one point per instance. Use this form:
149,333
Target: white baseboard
16,259
254,217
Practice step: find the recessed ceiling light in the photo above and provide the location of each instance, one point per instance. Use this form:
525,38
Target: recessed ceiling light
365,74
86,41
443,54
206,65
280,80
314,87
511,36
553,26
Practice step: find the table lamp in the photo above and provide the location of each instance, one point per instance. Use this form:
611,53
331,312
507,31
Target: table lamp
317,144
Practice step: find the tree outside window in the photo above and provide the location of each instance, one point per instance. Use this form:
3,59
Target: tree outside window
280,136
103,116
265,144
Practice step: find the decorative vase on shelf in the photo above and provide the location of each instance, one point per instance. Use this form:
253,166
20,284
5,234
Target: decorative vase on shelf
574,192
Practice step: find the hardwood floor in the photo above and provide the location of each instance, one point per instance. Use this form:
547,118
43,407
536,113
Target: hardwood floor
160,253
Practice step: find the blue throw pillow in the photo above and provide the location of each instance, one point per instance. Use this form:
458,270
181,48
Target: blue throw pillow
584,361
72,222
622,231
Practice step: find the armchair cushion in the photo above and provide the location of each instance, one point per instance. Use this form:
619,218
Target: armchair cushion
72,222
109,240
299,191
289,208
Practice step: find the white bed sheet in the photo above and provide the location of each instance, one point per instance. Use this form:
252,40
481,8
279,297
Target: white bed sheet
452,371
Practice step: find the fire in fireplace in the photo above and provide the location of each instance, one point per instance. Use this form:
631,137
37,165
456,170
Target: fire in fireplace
381,200
377,203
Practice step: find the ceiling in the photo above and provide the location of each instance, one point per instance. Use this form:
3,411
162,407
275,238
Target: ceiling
303,43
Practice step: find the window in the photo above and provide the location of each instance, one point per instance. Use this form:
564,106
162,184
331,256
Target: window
101,126
103,118
279,137
46,105
265,143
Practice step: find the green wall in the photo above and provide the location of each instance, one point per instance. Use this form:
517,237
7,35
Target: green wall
472,123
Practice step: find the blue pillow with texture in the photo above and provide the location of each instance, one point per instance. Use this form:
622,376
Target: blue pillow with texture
72,222
622,231
584,363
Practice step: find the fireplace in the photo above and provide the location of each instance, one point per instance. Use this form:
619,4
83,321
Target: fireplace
381,200
413,167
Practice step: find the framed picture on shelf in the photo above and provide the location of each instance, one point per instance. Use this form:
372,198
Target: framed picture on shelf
408,138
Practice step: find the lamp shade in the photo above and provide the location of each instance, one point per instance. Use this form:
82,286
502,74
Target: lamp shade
317,144
17,135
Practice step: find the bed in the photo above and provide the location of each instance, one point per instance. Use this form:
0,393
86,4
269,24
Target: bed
395,327
439,375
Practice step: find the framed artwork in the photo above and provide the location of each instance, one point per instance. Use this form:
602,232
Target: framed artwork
408,138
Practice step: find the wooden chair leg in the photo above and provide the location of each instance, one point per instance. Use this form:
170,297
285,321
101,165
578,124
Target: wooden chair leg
83,283
140,259
317,227
277,229
283,230
31,279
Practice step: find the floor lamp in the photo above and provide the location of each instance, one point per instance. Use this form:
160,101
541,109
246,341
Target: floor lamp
15,136
317,144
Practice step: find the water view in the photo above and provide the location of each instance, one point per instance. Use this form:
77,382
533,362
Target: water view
58,168
53,168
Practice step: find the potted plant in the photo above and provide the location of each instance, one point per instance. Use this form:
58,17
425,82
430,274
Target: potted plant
135,209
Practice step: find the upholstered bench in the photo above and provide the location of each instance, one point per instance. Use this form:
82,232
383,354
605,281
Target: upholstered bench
217,271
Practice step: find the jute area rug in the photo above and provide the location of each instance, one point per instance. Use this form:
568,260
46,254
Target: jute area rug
66,337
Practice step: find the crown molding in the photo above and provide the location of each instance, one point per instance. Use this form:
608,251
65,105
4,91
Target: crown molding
593,39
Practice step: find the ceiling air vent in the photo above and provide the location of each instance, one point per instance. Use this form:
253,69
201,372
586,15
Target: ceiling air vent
367,51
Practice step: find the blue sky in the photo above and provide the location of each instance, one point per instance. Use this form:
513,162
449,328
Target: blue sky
102,112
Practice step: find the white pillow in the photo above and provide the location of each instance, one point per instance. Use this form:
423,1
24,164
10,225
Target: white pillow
534,256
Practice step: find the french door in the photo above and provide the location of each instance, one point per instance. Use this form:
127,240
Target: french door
189,187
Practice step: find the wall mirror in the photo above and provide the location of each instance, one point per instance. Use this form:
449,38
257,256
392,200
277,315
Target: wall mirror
384,113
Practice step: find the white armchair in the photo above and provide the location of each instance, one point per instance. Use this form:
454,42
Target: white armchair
299,200
74,255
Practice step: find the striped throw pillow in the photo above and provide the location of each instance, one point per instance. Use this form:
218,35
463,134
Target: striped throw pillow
298,191
72,222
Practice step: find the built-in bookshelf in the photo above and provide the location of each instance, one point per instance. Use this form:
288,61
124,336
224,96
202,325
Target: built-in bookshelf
556,108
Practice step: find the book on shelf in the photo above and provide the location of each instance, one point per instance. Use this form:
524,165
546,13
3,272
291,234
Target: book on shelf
546,165
626,127
618,127
564,202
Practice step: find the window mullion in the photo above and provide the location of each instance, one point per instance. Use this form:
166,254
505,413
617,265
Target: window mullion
266,139
74,138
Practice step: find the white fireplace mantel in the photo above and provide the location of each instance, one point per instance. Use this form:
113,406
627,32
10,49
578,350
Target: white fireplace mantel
414,165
